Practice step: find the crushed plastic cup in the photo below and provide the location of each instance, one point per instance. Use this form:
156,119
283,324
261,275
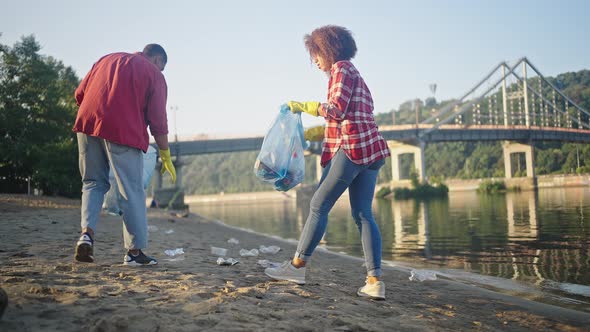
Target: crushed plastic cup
422,275
175,259
170,231
233,241
152,228
266,263
244,252
227,261
269,249
218,251
174,252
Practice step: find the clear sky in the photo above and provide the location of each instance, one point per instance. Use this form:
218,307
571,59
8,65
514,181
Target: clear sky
231,64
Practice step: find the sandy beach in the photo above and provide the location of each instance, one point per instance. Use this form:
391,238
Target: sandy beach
48,291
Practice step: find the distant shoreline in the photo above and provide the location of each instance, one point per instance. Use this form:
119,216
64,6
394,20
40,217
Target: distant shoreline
543,181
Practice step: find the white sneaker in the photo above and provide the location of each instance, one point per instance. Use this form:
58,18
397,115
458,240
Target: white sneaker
374,291
287,272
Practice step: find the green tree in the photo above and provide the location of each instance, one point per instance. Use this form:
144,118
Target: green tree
37,110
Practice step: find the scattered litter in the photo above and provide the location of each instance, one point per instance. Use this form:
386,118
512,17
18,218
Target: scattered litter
228,261
152,228
244,252
174,252
269,249
233,241
182,214
170,231
175,259
266,263
218,251
422,275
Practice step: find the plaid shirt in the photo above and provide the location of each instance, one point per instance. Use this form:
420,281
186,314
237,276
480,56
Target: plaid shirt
349,118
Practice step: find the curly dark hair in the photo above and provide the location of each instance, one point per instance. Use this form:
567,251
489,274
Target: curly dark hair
333,43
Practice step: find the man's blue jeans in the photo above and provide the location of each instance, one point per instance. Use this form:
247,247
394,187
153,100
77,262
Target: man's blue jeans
338,175
96,157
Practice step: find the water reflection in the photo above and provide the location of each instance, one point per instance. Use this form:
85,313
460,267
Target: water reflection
536,237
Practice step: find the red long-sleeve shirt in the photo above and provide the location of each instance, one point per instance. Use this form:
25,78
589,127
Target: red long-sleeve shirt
350,125
120,97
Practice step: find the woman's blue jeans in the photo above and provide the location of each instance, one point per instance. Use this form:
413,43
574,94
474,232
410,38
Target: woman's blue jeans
338,175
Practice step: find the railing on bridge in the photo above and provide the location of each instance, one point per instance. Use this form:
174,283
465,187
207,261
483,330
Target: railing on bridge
502,106
504,98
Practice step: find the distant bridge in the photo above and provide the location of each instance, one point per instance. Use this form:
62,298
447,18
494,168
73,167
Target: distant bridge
517,109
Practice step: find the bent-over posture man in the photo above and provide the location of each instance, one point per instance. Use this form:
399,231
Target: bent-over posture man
119,98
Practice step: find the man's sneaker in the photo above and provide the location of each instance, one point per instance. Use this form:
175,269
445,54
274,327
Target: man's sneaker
84,251
140,260
287,272
374,291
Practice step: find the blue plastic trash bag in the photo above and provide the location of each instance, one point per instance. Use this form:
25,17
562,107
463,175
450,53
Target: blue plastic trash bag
280,160
113,196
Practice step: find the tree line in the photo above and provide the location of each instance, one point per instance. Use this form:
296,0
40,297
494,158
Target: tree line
38,147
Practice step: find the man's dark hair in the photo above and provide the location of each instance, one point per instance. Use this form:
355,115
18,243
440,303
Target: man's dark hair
155,49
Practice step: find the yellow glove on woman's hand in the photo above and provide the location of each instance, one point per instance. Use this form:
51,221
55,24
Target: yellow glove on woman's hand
309,107
167,164
314,134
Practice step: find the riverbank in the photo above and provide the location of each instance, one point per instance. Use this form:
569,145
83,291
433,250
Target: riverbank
454,185
48,291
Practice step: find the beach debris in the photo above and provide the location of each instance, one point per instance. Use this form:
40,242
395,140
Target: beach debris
175,259
253,252
266,263
422,275
269,249
152,228
174,252
233,241
227,261
218,251
170,231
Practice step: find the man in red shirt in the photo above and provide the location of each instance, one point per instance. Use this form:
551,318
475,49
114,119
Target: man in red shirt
119,98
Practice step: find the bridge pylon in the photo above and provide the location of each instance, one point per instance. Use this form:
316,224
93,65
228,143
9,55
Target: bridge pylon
398,148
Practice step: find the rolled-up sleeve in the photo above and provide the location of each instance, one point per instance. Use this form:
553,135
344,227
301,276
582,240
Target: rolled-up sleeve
156,107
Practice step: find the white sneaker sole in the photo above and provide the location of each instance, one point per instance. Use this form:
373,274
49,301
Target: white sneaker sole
297,281
372,297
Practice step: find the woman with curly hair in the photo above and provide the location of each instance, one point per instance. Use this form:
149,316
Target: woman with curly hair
352,153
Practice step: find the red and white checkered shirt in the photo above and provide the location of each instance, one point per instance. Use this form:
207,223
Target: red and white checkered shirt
350,124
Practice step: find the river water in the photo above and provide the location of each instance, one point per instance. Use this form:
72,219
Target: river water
530,244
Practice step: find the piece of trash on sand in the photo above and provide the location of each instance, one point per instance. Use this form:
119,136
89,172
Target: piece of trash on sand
227,261
233,241
422,275
175,259
269,249
174,252
244,252
152,228
218,251
266,263
170,231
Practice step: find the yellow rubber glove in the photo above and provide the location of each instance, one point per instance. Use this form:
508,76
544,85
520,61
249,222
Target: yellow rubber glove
167,164
314,134
309,107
